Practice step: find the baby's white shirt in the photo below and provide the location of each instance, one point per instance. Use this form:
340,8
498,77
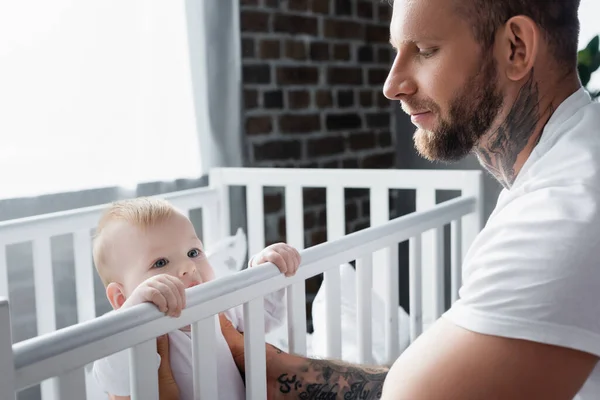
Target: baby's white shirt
112,372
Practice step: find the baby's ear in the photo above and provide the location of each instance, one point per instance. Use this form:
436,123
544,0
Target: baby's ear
115,295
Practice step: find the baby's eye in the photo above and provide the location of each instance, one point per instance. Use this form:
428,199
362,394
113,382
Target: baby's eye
193,253
160,263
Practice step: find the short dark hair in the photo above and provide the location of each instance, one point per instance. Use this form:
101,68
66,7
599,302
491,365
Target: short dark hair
558,20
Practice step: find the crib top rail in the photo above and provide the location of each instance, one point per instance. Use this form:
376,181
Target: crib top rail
64,350
63,222
351,178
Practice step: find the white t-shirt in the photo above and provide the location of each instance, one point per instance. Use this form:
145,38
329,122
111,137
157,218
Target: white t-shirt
112,372
533,272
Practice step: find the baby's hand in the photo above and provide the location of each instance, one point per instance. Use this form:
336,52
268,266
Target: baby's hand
284,256
165,291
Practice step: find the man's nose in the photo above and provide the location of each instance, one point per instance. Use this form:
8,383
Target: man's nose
399,82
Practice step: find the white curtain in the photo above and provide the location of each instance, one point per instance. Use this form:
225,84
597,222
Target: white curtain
97,94
589,17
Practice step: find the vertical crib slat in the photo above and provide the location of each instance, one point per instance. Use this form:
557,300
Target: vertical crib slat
364,284
84,275
256,219
221,214
380,214
44,286
204,357
456,258
254,344
392,302
72,385
7,368
3,272
336,228
296,294
44,302
142,371
415,285
425,200
438,274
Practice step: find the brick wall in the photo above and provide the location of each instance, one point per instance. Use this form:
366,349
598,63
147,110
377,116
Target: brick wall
313,73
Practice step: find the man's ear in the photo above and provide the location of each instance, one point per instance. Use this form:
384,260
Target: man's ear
115,295
519,46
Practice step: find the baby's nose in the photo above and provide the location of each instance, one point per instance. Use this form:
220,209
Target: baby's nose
187,268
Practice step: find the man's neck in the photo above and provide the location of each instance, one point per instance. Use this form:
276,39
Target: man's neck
504,151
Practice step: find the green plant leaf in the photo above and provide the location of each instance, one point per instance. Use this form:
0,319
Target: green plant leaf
594,46
584,74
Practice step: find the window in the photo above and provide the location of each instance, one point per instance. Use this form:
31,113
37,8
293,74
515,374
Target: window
94,94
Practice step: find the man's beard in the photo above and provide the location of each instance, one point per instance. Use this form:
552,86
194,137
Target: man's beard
472,114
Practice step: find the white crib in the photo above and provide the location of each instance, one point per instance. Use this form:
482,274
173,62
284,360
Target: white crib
56,358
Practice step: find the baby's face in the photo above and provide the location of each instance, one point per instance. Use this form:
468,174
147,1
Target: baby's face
171,247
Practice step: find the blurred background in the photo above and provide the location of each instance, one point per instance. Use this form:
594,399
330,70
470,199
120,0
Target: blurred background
103,100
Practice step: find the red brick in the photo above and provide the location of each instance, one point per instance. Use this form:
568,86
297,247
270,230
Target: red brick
385,13
295,49
256,73
351,211
343,7
278,150
366,98
298,99
361,141
273,202
384,160
343,121
350,163
341,52
310,220
250,99
344,76
384,55
314,196
248,48
343,30
324,99
259,125
254,21
384,139
345,98
320,6
379,120
382,101
377,34
303,123
249,2
326,146
295,24
298,5
364,9
319,51
297,75
318,237
377,76
269,49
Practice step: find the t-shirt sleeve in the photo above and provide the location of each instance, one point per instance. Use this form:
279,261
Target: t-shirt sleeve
112,373
533,273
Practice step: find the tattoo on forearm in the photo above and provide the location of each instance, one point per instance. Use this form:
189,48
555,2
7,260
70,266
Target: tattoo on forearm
321,379
499,154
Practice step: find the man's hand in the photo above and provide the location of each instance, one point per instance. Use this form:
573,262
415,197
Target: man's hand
167,387
165,291
284,256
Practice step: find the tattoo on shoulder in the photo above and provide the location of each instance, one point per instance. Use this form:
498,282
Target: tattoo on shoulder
322,379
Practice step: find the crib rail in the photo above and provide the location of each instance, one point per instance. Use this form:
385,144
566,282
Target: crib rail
61,352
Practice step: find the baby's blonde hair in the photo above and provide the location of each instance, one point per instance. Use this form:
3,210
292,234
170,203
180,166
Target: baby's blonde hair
141,212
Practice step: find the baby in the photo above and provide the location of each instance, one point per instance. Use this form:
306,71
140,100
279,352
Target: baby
145,250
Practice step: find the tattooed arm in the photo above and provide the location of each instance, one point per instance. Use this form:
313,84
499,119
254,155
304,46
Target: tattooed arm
294,377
